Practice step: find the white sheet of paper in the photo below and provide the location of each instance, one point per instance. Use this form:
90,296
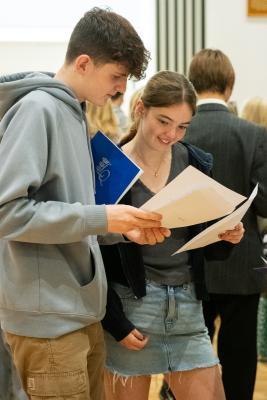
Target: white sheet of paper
191,198
210,235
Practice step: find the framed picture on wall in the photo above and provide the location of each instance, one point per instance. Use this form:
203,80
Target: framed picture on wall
257,8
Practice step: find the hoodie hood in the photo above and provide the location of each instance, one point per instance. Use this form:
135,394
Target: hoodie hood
14,87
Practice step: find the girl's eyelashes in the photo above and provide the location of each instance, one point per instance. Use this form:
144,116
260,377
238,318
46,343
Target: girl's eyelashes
163,122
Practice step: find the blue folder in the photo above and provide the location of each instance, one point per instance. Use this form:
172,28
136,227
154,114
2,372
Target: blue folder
115,172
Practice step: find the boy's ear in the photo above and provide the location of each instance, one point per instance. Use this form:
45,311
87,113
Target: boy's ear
82,63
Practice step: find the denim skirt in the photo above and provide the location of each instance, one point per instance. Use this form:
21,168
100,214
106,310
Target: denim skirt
172,317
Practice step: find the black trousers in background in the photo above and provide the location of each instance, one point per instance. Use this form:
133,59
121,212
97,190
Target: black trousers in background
237,341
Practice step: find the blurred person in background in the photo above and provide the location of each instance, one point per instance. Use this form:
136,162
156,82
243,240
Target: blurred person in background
255,110
117,101
234,285
232,105
103,118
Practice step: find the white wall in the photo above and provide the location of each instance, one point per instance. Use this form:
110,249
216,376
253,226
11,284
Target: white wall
31,56
36,35
244,40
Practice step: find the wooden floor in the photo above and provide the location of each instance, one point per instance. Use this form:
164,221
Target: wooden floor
261,383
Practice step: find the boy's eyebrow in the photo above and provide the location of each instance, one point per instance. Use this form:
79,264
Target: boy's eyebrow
122,72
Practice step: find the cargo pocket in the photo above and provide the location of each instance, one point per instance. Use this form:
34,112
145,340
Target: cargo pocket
57,384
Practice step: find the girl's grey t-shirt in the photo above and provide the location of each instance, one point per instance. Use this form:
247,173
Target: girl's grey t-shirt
160,266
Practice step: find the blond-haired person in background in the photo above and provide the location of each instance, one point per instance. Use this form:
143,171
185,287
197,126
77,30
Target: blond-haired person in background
255,110
102,118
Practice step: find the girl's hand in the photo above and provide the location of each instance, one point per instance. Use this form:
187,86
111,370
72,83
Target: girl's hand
148,236
134,341
234,235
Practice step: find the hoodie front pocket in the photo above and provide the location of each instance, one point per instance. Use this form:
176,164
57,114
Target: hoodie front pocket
91,298
19,280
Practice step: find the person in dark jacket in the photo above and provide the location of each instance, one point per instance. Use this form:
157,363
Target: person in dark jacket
154,319
239,149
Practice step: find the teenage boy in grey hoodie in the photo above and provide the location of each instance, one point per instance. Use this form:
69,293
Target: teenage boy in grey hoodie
52,281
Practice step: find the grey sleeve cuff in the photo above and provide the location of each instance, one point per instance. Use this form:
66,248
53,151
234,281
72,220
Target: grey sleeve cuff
96,220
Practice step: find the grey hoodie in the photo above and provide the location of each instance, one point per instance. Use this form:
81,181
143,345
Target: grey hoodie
52,279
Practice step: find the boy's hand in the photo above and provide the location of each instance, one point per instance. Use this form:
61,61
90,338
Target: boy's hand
122,219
